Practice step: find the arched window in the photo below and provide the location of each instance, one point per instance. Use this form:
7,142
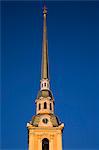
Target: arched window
44,84
45,105
45,144
39,106
50,106
47,85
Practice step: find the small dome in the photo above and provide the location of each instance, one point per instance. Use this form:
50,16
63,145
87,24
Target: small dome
54,120
44,93
35,120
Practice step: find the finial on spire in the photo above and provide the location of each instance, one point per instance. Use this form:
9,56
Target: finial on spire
44,8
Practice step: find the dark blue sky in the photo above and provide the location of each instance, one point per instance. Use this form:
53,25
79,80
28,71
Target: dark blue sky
73,42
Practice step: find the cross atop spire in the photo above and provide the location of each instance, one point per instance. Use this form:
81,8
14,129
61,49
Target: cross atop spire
44,9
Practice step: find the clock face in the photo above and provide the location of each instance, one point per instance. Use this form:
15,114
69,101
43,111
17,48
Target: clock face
45,120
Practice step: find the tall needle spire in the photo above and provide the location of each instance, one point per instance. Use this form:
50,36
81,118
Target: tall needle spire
44,83
44,69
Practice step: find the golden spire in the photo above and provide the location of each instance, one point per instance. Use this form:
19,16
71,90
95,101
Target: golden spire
44,69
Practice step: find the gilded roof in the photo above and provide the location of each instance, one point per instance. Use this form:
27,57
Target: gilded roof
45,94
54,120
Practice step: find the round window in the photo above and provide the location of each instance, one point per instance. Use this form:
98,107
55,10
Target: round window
45,120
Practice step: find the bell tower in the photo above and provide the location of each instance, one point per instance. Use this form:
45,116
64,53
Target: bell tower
45,129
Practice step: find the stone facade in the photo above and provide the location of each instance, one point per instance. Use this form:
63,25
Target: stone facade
53,134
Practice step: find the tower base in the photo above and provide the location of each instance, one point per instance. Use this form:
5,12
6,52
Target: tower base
40,137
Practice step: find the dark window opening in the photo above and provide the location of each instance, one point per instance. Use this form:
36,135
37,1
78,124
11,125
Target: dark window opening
50,106
45,144
45,105
44,84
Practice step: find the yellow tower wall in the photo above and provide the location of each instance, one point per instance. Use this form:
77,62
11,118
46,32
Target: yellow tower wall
53,134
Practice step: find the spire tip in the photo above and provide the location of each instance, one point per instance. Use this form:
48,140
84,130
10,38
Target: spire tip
44,8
